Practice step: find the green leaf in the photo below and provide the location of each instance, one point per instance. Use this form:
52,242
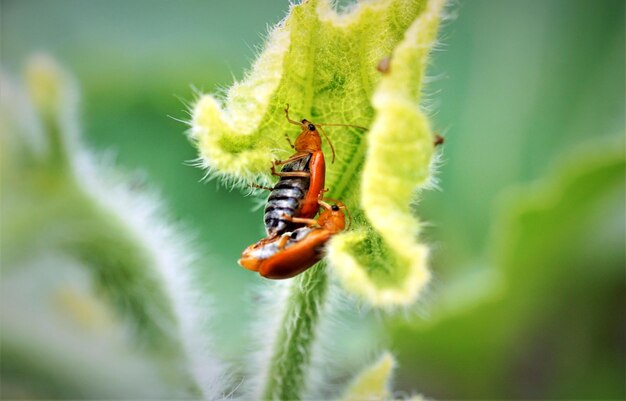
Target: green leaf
59,200
324,66
59,339
552,324
374,382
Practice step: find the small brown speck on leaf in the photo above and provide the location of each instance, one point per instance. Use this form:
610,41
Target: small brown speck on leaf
384,65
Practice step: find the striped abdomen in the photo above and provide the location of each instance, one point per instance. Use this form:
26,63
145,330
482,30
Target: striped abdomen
286,198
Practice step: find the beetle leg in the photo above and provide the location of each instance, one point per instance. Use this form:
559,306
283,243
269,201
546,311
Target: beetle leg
293,158
291,173
288,173
283,241
289,119
289,140
300,220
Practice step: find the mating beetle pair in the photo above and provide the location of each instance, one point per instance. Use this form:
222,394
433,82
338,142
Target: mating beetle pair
291,253
295,240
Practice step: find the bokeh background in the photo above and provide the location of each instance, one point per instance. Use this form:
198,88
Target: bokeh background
524,304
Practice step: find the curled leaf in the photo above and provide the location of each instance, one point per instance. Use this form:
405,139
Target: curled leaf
328,68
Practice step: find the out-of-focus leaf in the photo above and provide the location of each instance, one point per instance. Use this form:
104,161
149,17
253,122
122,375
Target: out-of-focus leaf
555,324
59,200
374,382
60,339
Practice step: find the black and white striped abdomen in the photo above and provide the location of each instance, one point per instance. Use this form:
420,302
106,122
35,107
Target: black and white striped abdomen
286,198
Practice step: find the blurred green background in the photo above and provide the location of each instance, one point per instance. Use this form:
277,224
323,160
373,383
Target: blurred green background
524,303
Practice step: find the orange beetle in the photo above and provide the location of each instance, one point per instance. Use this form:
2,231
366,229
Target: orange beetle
291,253
301,181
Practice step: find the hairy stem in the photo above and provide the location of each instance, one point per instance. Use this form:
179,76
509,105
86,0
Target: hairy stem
292,353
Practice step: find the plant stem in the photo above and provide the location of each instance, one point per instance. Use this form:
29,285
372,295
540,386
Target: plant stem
296,334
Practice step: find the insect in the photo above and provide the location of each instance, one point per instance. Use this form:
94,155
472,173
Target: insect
291,253
301,180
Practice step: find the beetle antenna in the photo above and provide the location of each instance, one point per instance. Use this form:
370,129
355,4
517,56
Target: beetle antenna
349,215
328,140
342,125
324,204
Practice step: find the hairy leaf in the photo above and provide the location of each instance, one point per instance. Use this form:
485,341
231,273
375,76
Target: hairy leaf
325,66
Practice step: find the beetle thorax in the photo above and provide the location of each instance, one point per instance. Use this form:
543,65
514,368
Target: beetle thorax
308,141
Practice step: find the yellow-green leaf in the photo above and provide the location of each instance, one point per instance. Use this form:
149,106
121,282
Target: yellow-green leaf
325,66
374,382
